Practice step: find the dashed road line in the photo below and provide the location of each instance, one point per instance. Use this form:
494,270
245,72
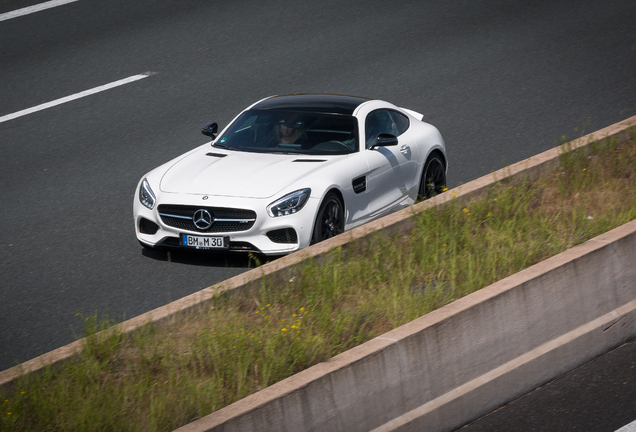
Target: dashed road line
75,96
35,8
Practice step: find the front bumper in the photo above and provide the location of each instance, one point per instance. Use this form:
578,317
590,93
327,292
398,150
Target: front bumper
152,231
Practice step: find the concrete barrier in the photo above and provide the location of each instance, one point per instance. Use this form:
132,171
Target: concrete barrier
461,361
401,221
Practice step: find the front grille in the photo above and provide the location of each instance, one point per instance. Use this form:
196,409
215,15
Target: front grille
285,235
224,219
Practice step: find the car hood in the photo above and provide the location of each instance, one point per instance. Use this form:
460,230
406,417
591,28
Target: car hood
238,174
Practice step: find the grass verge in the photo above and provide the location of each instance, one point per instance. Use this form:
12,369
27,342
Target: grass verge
164,376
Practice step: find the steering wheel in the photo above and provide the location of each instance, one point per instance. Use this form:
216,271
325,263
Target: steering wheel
331,145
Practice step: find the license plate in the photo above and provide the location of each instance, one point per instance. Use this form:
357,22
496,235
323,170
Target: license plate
203,242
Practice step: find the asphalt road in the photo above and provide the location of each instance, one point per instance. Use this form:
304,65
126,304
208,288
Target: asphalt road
599,396
501,81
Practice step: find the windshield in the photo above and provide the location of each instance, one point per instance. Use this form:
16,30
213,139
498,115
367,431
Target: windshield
274,131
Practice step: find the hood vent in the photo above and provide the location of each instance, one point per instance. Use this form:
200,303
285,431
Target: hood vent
310,160
219,155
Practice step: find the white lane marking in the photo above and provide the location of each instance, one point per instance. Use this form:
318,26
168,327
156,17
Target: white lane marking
35,8
628,428
75,96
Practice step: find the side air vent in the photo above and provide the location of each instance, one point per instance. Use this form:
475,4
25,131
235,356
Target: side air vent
148,227
285,235
310,160
359,184
219,155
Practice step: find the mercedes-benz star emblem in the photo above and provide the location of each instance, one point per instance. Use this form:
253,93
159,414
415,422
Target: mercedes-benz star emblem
202,219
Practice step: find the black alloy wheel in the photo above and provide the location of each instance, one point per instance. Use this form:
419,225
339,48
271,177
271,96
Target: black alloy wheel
330,220
433,178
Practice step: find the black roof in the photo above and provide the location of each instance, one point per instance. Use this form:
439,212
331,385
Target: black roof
325,103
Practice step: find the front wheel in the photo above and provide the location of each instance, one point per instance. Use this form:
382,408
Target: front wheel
433,179
330,219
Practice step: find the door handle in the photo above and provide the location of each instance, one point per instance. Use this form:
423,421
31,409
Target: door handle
405,149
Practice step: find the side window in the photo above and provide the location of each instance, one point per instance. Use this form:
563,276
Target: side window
401,122
378,122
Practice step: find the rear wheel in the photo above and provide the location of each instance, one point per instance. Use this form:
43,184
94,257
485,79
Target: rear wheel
433,179
330,219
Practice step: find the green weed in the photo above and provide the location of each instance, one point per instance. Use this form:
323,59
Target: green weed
164,376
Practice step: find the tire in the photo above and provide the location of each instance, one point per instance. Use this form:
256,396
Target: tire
433,179
330,219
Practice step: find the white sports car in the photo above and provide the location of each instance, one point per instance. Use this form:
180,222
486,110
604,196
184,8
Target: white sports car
290,171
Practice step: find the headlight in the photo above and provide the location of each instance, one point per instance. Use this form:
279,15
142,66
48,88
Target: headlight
289,204
146,195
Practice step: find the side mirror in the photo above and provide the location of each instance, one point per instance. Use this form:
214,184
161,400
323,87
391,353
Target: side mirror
385,139
210,129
